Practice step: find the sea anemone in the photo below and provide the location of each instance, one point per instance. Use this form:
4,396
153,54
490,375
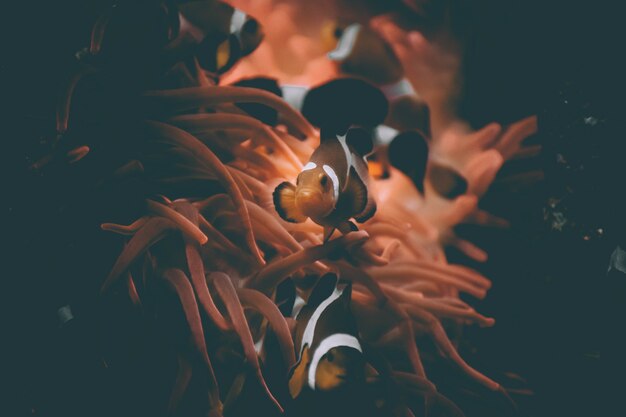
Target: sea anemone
220,246
403,286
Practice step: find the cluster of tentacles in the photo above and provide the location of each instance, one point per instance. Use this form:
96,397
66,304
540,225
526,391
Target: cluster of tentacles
223,253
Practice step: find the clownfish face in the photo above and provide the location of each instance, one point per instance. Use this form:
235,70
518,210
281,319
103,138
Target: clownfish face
228,38
317,191
340,365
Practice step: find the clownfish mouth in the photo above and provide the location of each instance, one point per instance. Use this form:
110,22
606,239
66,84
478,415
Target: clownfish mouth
311,203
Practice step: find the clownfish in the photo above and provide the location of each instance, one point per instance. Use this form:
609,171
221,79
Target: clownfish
222,34
329,351
333,186
361,52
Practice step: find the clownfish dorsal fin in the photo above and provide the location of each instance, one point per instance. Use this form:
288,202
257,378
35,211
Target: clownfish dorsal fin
285,297
323,289
285,203
327,134
356,190
360,140
298,374
346,291
368,212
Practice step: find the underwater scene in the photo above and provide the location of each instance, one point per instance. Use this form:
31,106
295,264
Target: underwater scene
403,208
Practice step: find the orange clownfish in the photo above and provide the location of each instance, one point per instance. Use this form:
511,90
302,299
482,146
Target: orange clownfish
333,186
222,34
330,354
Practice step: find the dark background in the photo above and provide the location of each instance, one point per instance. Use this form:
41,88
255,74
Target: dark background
559,316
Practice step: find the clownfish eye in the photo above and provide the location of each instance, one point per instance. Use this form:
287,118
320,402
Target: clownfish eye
330,357
323,180
251,26
338,32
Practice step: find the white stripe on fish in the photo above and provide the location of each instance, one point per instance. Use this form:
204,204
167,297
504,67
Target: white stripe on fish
333,177
237,21
346,43
309,330
309,166
332,341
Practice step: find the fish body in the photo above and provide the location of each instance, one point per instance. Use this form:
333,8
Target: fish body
333,186
329,351
361,52
218,34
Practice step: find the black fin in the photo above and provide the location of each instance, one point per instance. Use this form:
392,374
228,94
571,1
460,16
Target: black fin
447,182
408,152
357,191
284,202
327,134
324,287
360,139
343,102
261,112
347,227
251,36
286,297
368,212
346,292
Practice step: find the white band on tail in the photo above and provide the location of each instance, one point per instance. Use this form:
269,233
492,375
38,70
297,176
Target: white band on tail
236,22
384,135
332,341
346,43
309,330
398,89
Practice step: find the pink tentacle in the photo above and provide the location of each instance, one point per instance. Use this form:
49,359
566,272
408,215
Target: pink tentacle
406,273
129,230
265,306
190,98
154,230
98,31
183,376
132,290
180,284
188,228
272,274
266,135
203,153
227,293
443,342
